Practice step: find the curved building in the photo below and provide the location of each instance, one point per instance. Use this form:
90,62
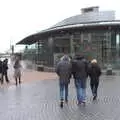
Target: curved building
93,33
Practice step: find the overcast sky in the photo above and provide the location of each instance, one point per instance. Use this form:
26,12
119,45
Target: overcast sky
20,18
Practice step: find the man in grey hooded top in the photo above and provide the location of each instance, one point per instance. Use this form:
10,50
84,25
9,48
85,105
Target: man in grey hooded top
63,70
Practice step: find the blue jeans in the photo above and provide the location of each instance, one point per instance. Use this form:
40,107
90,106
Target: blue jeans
63,88
81,92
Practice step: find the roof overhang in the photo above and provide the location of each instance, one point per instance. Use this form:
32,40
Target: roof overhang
35,37
29,40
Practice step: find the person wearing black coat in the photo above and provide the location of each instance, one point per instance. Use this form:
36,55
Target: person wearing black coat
94,74
4,71
79,71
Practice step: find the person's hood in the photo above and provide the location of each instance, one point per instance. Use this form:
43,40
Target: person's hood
65,58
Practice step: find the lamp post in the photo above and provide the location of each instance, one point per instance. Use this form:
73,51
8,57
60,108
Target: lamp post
12,48
71,45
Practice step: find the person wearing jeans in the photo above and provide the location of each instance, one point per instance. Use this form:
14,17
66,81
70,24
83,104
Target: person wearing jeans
79,71
64,90
81,91
63,70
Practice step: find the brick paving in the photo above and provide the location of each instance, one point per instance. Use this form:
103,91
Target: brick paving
37,98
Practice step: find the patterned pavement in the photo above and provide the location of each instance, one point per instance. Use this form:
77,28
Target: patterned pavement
39,100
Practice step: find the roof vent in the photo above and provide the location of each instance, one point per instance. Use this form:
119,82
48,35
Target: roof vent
90,9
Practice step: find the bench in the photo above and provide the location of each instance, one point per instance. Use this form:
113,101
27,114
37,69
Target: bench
40,67
109,70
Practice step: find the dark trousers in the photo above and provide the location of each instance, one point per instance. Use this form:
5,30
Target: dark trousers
17,80
94,83
63,88
6,77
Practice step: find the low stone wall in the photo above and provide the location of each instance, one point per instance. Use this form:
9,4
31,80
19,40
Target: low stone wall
49,69
26,64
30,65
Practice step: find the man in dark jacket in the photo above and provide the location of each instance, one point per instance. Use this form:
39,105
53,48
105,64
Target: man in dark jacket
0,70
94,73
4,71
63,70
79,71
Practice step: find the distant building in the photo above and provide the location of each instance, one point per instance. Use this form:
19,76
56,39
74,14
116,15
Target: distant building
94,33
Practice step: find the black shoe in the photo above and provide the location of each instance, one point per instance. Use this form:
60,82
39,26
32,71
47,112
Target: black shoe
95,97
8,82
19,82
61,104
16,83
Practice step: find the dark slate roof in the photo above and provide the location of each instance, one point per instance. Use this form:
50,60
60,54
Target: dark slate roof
86,18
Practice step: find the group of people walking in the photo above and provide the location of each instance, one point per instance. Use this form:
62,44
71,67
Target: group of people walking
4,71
79,68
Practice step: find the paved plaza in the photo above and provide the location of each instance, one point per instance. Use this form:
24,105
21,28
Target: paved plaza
39,100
